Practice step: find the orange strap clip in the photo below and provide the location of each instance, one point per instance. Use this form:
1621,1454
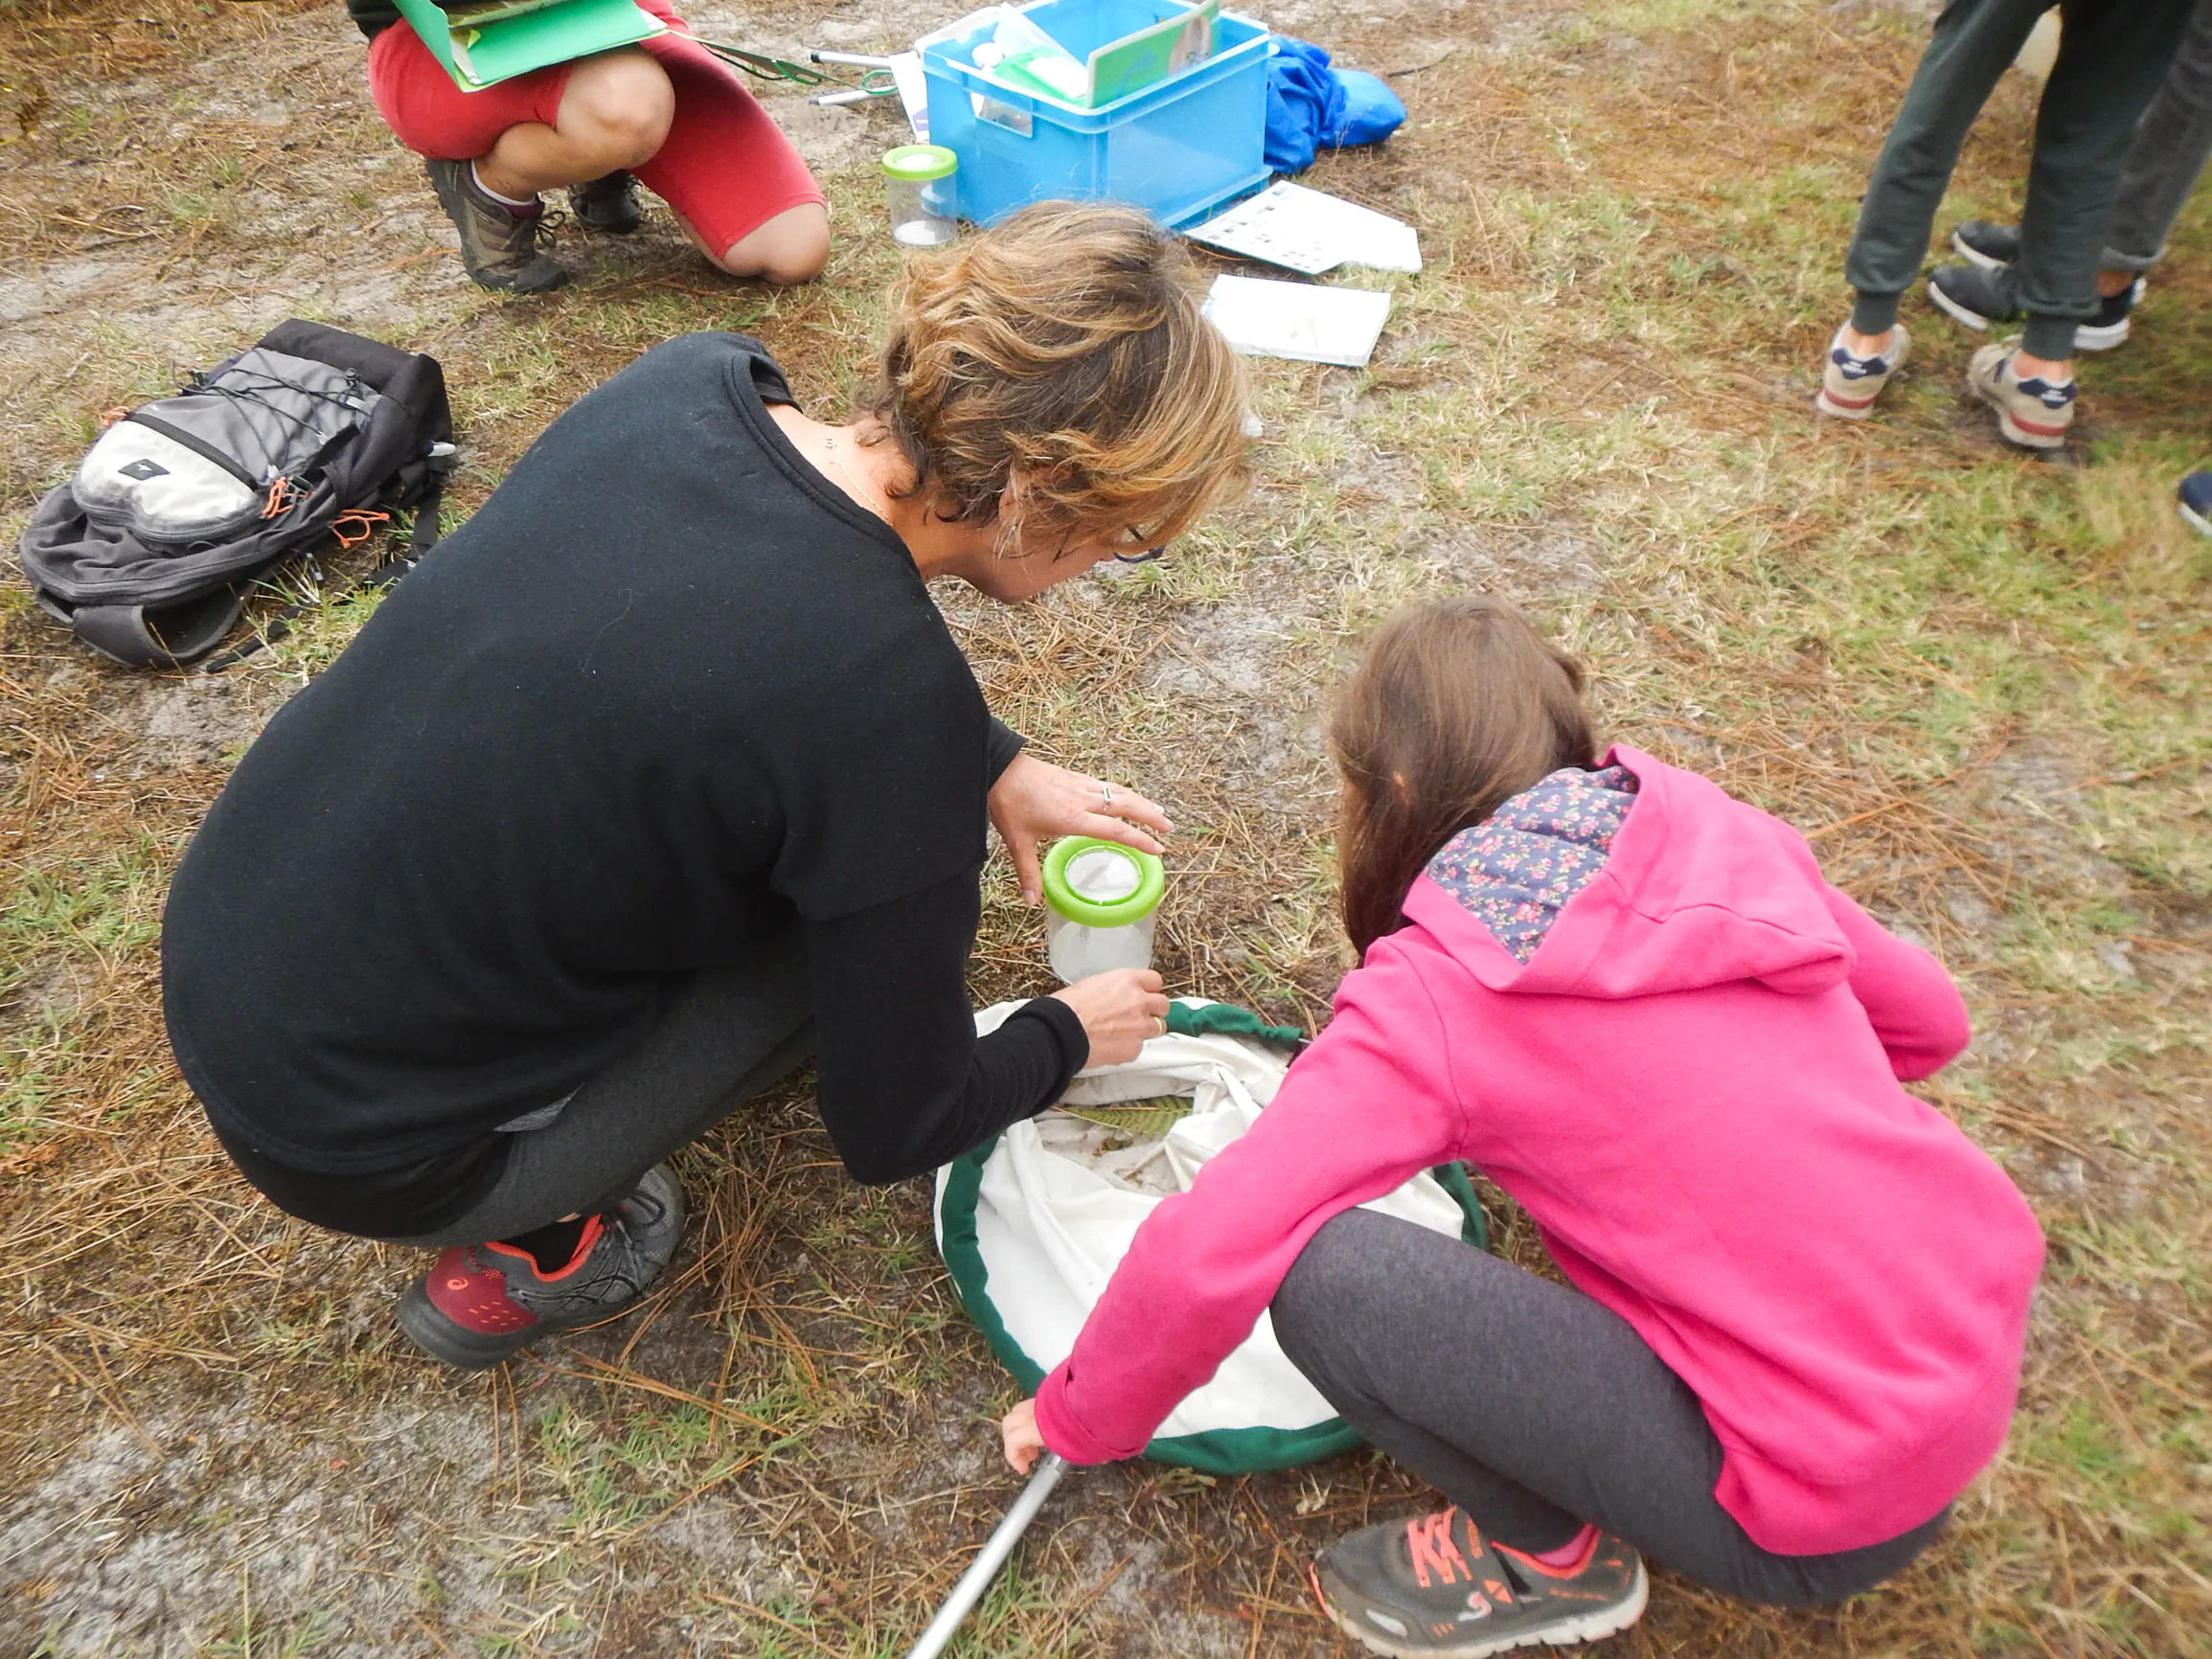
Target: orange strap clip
282,497
360,521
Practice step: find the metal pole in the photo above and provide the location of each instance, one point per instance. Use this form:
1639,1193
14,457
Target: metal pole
985,1567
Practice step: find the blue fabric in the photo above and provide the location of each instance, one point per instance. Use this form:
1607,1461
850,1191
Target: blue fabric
1312,105
1372,111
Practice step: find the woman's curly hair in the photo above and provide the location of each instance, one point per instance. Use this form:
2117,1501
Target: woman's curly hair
1063,353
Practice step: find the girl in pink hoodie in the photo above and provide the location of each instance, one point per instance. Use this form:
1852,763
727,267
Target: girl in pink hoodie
1799,1295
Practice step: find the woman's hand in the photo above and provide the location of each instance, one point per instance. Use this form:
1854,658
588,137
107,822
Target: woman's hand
1119,1011
1035,800
1017,1432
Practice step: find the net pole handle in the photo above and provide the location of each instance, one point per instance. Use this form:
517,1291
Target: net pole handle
985,1567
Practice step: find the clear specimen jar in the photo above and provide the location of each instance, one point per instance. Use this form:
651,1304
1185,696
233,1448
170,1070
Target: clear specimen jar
919,190
1102,900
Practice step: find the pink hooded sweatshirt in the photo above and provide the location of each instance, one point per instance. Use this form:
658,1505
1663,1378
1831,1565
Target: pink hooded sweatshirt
1692,1088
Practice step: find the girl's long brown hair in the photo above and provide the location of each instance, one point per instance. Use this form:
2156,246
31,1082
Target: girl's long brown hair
1457,705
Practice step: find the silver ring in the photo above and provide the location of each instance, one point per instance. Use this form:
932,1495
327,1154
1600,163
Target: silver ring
1105,794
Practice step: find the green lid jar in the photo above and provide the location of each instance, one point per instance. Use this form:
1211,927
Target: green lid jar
1101,897
919,191
1102,883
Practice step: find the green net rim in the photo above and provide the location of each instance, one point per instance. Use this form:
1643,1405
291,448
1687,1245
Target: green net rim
1221,1451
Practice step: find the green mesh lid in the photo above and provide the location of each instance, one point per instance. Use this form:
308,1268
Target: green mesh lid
920,162
1102,883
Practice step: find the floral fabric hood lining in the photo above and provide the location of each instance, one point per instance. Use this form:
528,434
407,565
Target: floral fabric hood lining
1514,871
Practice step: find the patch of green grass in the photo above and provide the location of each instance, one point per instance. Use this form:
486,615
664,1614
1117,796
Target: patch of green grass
65,928
189,206
1650,16
101,912
254,1635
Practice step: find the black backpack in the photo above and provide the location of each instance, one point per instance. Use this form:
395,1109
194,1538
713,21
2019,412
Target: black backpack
149,549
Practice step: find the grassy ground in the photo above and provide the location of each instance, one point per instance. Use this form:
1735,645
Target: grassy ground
1978,682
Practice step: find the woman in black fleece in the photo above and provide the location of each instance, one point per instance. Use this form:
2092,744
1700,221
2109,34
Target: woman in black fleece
663,774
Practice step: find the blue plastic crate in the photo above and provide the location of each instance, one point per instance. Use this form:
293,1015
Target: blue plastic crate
1177,149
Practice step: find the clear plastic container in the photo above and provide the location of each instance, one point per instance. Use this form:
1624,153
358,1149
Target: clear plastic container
919,191
1103,899
1077,951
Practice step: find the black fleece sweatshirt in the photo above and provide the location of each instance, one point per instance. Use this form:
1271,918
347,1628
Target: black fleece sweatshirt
665,696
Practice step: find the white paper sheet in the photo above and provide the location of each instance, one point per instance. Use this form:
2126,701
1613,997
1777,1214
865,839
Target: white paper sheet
1300,321
913,92
1309,231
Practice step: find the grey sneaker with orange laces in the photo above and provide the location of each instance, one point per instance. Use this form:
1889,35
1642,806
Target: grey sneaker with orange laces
1433,1586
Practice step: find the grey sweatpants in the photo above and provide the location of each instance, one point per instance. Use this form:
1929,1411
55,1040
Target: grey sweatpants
2112,54
1533,1408
2169,155
726,1037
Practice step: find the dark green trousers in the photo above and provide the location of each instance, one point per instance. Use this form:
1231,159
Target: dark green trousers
2112,54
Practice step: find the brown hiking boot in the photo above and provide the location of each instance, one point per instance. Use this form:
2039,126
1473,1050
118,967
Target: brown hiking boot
498,246
608,205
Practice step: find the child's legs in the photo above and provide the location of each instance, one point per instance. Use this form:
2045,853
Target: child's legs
1974,42
614,113
732,178
1532,1407
2168,155
2111,58
724,1037
566,124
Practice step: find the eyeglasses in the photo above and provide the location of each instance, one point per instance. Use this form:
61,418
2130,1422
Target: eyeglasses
1145,557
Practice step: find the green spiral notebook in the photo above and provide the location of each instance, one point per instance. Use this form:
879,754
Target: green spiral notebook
481,42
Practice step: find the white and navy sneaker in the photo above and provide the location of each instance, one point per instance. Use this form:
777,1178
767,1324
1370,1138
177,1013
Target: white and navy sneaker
1980,295
1849,383
2194,500
1434,1587
2034,413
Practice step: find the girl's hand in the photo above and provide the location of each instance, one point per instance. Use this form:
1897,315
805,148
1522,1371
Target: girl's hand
1018,1433
1035,801
1120,1010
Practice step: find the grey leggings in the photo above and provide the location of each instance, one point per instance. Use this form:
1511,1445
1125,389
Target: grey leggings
2169,155
727,1035
1533,1408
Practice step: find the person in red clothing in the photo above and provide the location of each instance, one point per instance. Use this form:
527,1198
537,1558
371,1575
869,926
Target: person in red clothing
665,112
1796,1296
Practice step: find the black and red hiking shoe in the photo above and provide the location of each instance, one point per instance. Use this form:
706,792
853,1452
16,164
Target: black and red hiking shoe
482,1303
1433,1586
